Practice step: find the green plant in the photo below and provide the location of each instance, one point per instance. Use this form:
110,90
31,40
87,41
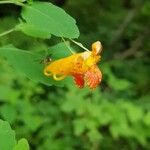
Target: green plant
30,23
7,138
114,116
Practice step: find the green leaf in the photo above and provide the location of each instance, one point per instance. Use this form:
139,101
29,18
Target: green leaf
134,113
31,30
79,126
22,145
7,94
7,136
36,122
114,82
28,64
8,112
59,51
122,84
94,135
51,19
147,119
120,129
119,84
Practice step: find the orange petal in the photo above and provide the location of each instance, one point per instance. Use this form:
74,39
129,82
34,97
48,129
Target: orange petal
93,77
79,80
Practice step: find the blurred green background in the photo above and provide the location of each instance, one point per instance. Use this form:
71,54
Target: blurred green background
116,115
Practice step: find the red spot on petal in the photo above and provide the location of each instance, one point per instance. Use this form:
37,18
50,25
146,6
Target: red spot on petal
93,77
79,80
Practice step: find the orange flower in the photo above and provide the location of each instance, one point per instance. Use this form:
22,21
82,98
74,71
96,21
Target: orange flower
82,66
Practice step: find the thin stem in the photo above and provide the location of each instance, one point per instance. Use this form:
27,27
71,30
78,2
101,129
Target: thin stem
11,2
68,46
7,32
6,2
79,44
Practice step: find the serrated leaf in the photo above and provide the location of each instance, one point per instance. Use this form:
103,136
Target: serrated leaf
50,18
22,145
7,136
28,63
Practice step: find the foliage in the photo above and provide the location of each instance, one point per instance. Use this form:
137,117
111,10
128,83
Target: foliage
7,138
63,26
26,59
115,116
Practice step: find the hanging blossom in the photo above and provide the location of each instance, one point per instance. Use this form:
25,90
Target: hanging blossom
81,66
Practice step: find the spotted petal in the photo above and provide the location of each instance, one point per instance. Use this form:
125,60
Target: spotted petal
93,77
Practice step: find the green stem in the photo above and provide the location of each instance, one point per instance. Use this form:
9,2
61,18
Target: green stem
6,2
79,44
68,46
7,32
11,2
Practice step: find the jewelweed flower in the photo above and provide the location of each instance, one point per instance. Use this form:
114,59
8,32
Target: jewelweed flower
81,66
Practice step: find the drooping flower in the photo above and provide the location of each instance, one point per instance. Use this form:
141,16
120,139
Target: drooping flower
81,66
